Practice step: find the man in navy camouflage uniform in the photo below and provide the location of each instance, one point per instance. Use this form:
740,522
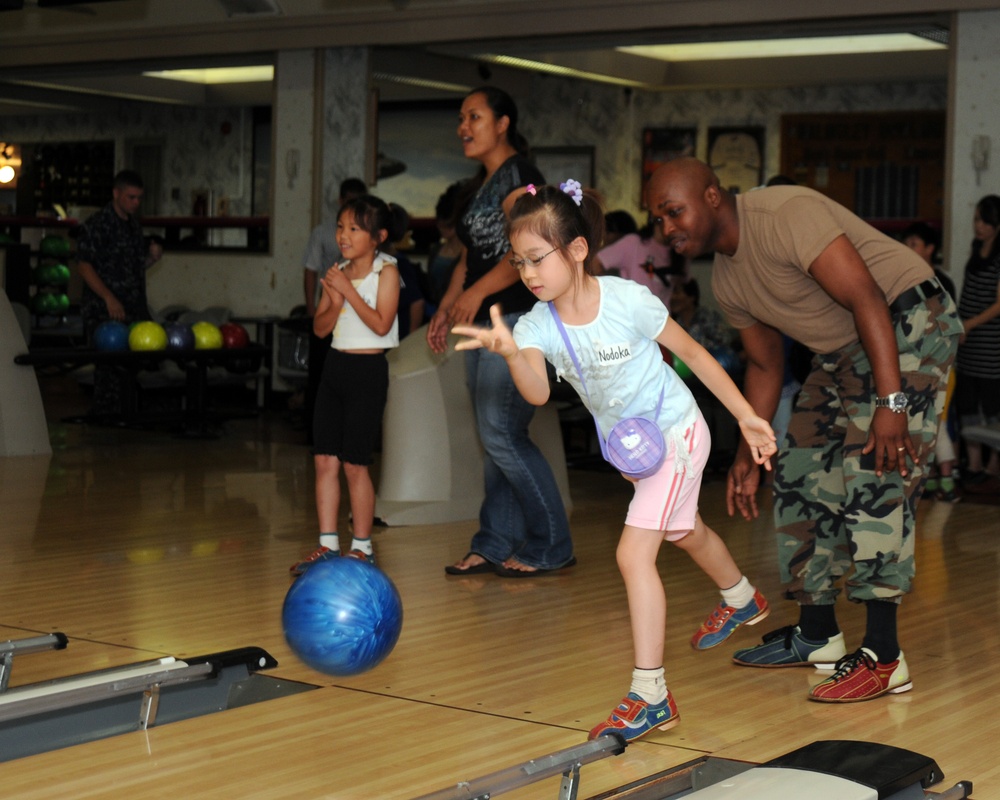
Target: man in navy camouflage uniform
790,261
112,257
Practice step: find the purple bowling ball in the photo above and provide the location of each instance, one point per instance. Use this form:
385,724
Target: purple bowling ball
179,336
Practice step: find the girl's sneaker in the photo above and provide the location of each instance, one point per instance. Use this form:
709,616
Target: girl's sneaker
319,554
724,620
634,718
361,555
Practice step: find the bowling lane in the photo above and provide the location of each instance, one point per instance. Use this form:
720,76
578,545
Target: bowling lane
309,745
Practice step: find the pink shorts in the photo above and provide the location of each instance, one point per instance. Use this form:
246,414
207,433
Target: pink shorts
668,500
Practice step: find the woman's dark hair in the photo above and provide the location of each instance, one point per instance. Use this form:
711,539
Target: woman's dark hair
370,213
447,208
399,222
554,216
989,212
620,222
503,105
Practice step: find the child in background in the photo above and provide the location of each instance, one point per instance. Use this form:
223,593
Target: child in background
360,297
615,327
924,240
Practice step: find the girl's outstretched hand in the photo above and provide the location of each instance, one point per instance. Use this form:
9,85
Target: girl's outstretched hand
761,439
497,339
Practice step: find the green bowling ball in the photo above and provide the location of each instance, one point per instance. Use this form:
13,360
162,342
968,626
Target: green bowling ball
60,274
54,245
682,369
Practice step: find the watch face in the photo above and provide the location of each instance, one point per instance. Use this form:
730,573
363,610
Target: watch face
897,401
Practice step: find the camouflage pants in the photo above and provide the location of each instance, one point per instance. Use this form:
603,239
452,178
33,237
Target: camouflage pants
832,514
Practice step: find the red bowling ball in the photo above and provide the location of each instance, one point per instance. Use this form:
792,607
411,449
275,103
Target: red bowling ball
234,336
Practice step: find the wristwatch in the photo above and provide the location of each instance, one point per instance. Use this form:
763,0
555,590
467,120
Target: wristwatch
896,402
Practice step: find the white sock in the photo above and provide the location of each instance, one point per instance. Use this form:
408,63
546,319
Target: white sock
739,595
649,684
330,540
364,545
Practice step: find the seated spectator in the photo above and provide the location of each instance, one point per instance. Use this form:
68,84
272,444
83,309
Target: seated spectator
642,257
705,325
616,225
411,293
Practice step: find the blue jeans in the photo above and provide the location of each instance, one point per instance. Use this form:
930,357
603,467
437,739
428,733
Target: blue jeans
522,514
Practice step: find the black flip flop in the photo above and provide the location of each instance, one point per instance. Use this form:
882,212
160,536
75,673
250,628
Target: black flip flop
478,569
505,572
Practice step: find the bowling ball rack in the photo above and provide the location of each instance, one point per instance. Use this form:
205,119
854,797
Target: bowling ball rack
197,419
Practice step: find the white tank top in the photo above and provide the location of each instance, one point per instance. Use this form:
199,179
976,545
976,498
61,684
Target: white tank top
350,332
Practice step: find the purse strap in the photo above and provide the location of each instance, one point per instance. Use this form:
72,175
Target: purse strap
579,371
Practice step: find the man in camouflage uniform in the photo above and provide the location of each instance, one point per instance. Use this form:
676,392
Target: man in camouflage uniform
790,261
112,257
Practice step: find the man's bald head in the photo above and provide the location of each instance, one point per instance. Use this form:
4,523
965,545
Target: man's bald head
679,176
696,214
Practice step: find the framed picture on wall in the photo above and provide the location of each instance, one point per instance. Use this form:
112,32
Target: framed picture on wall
737,156
660,145
558,164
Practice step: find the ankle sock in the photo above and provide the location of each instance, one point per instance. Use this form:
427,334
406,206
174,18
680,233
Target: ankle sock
880,631
649,684
739,595
818,622
330,540
947,484
364,545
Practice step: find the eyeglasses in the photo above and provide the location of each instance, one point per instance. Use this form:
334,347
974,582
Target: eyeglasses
520,263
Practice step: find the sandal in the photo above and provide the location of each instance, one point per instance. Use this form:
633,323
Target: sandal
476,569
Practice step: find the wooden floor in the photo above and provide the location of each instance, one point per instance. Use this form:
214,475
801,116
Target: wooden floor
139,544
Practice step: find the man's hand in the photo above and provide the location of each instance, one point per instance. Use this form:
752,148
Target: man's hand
889,438
742,484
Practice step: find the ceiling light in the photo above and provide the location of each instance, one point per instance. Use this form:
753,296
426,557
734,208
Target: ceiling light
772,48
421,83
555,69
6,173
261,73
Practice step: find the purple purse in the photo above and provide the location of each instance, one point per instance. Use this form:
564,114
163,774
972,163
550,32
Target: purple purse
635,446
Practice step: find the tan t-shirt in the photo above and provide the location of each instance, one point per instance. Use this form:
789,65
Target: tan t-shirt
783,229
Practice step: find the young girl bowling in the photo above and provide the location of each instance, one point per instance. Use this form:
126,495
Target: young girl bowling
359,301
614,326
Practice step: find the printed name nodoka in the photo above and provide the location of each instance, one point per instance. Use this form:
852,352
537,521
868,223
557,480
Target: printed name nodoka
616,352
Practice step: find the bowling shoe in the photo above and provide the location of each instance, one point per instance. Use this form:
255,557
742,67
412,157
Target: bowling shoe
787,647
860,676
319,554
633,718
361,555
724,620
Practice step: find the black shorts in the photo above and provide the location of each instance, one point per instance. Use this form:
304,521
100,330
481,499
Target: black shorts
977,400
347,421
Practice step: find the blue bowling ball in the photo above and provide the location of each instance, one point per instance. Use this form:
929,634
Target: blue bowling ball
342,617
179,336
111,335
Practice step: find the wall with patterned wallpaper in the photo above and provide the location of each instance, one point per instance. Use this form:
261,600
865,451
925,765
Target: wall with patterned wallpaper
612,120
199,153
203,148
